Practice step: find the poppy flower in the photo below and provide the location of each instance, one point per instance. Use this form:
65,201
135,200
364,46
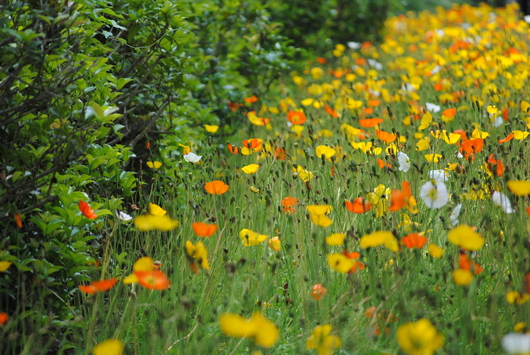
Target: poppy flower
199,253
99,286
318,292
516,343
466,264
251,146
123,216
216,187
288,205
109,347
330,111
502,200
18,220
258,328
435,251
359,205
419,337
370,122
153,280
84,207
156,210
275,243
335,239
325,151
251,238
385,136
404,162
251,100
414,240
434,194
519,188
192,157
322,340
3,318
4,265
379,238
449,114
150,222
382,164
250,169
508,138
495,166
211,128
204,229
403,198
154,164
470,147
296,117
466,238
232,149
143,264
340,262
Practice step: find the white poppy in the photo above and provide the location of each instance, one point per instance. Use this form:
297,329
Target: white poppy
516,343
354,45
498,121
455,214
432,107
374,63
435,70
404,162
123,216
502,200
439,175
192,157
434,194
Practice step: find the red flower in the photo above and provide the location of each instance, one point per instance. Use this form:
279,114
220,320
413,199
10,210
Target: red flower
98,286
3,318
414,240
84,207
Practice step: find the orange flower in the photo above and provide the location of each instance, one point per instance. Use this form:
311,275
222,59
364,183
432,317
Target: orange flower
403,198
254,143
495,166
84,207
251,100
382,164
466,264
357,265
470,147
288,204
359,205
280,154
321,60
332,112
368,110
98,286
450,112
3,318
385,136
414,240
296,117
318,292
216,187
370,122
232,149
153,280
360,61
233,106
18,219
374,103
507,139
204,229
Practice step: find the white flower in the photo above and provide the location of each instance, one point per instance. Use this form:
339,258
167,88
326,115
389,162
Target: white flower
354,45
123,216
408,87
502,200
435,70
440,33
432,107
192,157
516,343
374,63
527,18
434,194
455,214
404,162
439,175
498,121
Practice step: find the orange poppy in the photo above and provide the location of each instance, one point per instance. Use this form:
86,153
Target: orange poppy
357,264
84,207
508,138
382,164
438,86
296,117
216,187
318,292
330,111
288,204
251,100
204,229
495,166
232,149
385,136
466,264
374,103
368,110
400,199
359,205
471,146
153,280
505,113
99,286
254,143
414,240
18,219
360,61
321,60
3,318
450,112
370,122
280,154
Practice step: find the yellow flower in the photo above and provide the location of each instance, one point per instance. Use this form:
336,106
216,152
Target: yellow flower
322,340
321,220
4,265
156,210
251,238
199,253
466,238
211,128
519,188
433,158
275,243
423,144
258,328
514,297
325,151
426,120
302,173
143,264
379,199
155,222
340,262
154,164
419,338
380,238
335,239
519,135
250,169
435,251
462,277
109,347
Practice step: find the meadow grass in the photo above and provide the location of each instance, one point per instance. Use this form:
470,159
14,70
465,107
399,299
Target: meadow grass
471,59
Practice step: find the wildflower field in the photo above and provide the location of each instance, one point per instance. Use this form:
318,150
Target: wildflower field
374,203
